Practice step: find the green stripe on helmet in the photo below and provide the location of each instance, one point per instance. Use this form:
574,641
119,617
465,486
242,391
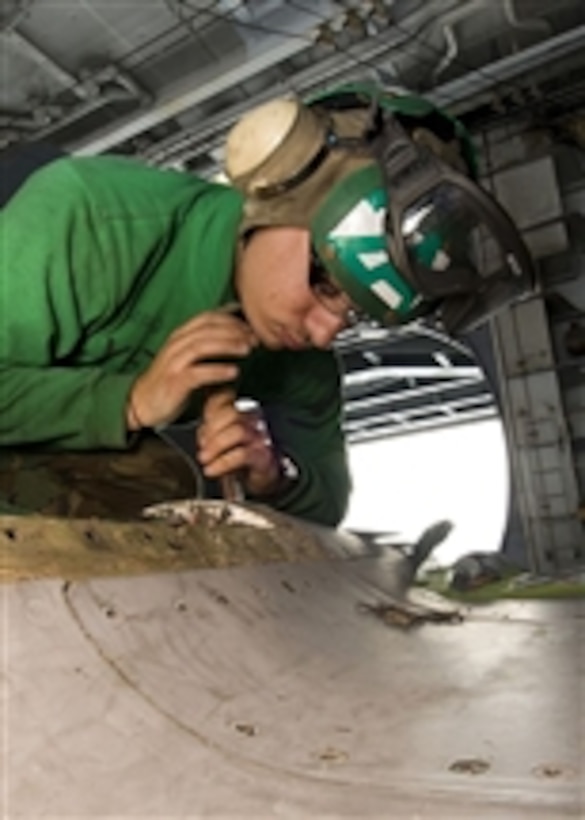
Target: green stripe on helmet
349,234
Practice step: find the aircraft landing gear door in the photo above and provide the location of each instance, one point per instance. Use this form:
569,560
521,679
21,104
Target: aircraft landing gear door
542,433
541,382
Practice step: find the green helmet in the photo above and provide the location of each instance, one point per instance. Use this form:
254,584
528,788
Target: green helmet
348,232
386,185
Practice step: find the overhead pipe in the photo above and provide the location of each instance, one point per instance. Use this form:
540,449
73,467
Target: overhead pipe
407,394
14,16
180,148
371,375
69,81
448,23
522,62
451,53
107,86
384,431
128,87
208,137
446,407
173,104
120,87
20,126
335,67
24,122
524,25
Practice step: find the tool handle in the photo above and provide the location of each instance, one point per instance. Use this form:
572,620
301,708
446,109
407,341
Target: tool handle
231,485
232,488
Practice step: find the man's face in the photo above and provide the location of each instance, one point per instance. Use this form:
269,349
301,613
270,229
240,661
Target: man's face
284,300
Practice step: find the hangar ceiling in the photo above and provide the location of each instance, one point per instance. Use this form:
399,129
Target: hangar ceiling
164,79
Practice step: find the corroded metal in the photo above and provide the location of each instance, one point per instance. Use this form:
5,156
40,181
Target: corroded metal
199,534
41,547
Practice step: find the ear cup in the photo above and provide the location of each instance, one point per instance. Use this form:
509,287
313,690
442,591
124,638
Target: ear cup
272,144
257,135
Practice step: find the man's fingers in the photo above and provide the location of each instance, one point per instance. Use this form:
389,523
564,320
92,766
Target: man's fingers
214,443
188,350
220,413
230,462
215,323
208,375
218,401
236,441
197,355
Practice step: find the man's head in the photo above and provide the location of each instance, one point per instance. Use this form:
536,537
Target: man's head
383,187
273,279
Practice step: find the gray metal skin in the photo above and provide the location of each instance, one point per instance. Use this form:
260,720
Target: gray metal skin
392,571
265,690
538,379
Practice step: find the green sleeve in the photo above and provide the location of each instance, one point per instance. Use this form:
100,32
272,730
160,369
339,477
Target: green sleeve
301,397
63,408
45,396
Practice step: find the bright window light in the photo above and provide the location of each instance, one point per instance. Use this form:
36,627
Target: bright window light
404,483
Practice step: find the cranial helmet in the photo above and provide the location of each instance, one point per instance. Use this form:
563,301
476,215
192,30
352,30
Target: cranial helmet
386,186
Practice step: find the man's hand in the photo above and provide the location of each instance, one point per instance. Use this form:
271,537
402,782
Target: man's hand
236,441
186,363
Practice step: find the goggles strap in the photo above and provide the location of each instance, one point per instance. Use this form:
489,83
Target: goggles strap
332,142
398,155
284,185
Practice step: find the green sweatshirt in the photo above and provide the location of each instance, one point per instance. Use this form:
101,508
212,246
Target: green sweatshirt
100,260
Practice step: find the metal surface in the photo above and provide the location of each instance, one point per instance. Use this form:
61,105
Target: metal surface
509,68
530,191
396,383
542,449
263,691
257,46
201,61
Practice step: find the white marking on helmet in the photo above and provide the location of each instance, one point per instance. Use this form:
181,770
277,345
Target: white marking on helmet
362,220
412,222
373,259
387,293
441,260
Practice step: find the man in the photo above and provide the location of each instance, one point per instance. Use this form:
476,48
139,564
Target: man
131,297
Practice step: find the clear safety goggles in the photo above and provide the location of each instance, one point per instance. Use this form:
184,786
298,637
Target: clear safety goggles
455,243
